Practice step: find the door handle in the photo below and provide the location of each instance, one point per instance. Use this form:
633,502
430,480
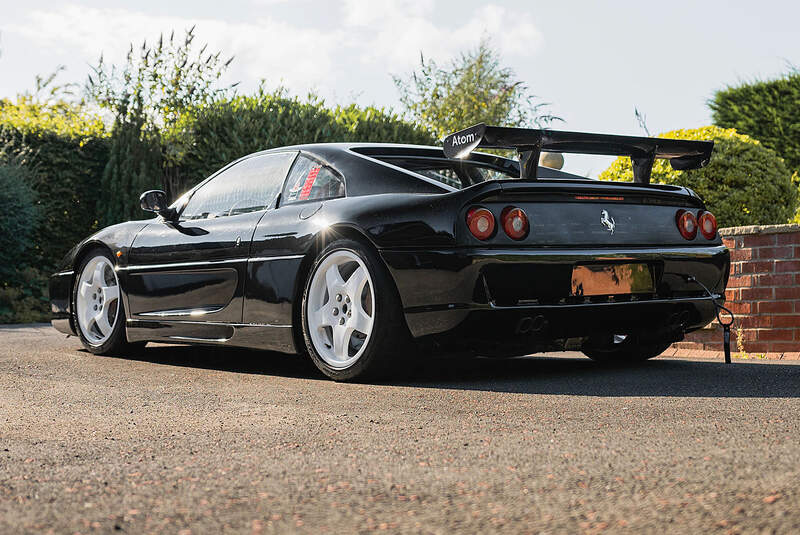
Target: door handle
238,241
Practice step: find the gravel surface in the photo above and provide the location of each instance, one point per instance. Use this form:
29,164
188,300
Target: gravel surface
195,440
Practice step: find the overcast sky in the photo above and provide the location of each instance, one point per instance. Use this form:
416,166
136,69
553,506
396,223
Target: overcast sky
594,61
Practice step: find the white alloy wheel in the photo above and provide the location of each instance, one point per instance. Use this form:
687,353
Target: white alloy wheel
97,300
340,309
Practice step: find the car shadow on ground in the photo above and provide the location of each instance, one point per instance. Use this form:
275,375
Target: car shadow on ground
583,377
527,375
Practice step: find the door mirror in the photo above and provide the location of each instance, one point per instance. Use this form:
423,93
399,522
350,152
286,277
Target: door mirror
155,200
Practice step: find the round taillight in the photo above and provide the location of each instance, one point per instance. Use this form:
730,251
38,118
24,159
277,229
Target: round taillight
708,225
514,222
480,222
687,224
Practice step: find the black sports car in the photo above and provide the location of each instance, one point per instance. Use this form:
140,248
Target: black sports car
361,254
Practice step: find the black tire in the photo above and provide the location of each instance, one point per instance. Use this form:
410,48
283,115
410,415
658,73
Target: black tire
117,343
630,351
389,337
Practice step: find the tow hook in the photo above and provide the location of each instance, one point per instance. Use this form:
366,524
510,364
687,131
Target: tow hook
726,325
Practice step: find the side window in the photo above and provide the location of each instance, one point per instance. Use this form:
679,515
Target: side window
309,180
247,186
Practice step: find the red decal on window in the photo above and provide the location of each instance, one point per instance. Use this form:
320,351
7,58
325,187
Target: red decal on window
309,183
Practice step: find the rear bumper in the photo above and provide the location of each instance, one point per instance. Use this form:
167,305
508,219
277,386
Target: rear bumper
489,291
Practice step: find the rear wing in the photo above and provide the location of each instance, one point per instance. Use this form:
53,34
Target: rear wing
530,142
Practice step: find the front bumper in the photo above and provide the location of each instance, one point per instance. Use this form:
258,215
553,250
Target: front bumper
60,298
485,293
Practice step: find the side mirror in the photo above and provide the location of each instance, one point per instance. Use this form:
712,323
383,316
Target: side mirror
155,200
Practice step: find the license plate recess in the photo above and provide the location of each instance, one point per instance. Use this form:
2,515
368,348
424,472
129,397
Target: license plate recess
612,279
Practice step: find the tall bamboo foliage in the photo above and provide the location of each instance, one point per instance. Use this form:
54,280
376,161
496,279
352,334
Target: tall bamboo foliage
146,96
471,89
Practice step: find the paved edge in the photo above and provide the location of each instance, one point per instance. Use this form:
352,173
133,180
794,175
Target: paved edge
719,355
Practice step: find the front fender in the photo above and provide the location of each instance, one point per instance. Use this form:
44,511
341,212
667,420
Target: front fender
117,238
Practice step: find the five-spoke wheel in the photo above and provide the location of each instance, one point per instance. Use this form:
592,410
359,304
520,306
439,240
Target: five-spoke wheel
342,305
97,300
98,308
352,318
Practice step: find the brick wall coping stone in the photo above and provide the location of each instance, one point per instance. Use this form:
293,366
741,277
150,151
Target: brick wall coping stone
759,229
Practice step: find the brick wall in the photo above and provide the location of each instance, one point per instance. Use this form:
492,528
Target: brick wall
763,292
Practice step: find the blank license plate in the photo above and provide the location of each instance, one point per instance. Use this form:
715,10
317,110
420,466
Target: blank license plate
616,279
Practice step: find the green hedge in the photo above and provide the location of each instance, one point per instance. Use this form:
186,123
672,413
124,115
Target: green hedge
66,151
206,139
134,166
19,218
23,295
745,183
768,111
63,151
84,177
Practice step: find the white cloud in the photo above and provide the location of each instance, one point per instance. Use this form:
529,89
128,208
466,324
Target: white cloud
264,47
397,30
369,37
385,12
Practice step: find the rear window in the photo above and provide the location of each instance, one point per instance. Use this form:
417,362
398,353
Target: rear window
457,174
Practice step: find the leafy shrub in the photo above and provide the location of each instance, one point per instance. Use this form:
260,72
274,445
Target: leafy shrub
26,299
745,183
23,289
66,149
84,177
66,179
473,88
796,218
30,117
134,166
208,137
19,218
62,150
766,110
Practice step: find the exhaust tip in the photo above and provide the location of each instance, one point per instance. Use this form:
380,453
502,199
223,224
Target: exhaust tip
539,324
529,325
524,325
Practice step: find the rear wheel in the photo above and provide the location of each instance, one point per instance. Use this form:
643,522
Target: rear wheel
622,349
351,314
99,312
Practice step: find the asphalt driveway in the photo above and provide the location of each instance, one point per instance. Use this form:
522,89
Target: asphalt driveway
183,439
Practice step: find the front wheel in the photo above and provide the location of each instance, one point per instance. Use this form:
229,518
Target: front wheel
622,349
99,311
351,314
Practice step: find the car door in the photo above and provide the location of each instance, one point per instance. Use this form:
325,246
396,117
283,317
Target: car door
282,234
195,268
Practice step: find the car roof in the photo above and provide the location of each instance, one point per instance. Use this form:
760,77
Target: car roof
349,145
367,173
